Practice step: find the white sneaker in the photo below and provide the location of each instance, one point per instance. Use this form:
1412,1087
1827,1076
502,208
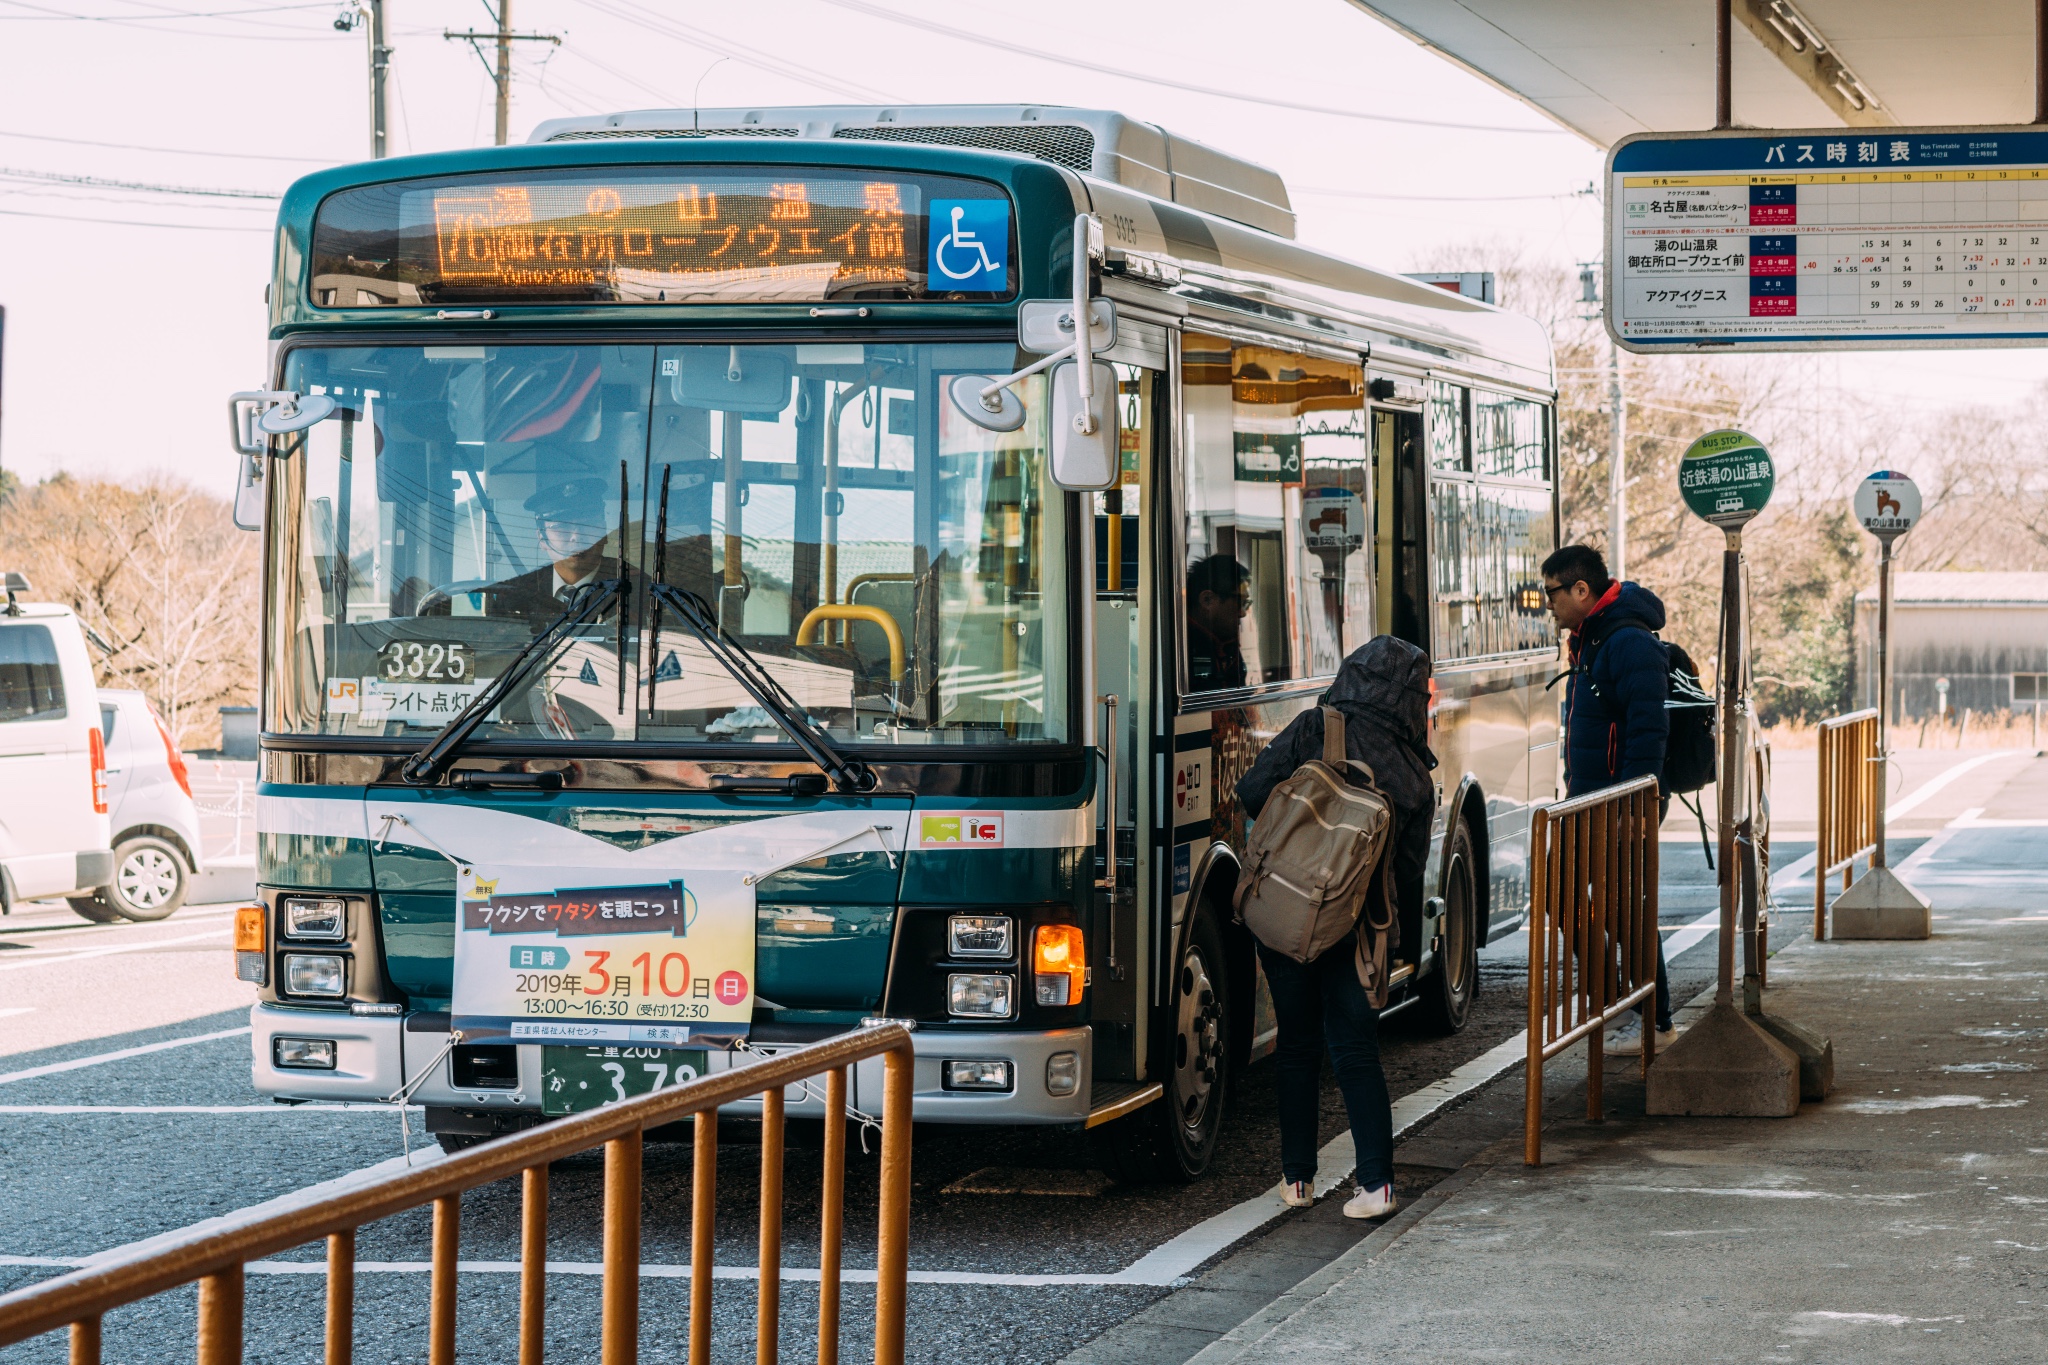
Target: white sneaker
1298,1194
1631,1043
1376,1202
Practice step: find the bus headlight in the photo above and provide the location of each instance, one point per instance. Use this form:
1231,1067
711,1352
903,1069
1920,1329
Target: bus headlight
315,974
978,935
315,917
971,995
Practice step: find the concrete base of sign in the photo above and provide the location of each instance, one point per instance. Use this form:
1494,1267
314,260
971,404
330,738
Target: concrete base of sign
1816,1054
1725,1066
1879,905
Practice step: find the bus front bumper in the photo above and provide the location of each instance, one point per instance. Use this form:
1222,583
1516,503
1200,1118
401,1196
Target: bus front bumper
376,1057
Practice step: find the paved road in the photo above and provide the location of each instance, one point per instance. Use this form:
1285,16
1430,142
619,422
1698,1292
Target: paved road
138,1142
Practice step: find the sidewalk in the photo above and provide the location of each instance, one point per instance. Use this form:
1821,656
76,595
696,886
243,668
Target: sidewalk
1904,1218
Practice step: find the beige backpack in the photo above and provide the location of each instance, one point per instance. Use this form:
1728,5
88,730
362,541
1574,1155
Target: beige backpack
1311,858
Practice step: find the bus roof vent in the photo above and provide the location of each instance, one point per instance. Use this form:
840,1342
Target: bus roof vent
1063,144
1093,142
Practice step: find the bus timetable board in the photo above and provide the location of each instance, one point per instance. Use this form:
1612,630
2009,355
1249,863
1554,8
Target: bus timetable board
1838,238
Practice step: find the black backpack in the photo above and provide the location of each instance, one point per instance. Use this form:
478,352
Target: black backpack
1691,756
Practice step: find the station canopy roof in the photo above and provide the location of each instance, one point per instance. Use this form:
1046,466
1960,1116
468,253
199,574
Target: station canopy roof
1609,68
1962,588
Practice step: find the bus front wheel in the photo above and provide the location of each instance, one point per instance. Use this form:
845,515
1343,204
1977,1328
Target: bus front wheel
1174,1137
1447,996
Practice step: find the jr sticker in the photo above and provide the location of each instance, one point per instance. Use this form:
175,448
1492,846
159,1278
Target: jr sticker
970,247
967,829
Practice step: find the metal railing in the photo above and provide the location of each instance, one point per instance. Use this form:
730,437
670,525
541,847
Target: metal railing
215,1253
1592,933
1849,795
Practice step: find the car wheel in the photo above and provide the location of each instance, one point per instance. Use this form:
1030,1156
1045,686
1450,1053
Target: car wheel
1447,998
1173,1138
95,908
149,879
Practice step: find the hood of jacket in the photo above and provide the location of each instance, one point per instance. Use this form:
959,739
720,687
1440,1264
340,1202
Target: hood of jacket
1383,691
1634,605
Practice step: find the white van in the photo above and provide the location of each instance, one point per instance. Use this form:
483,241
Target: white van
53,763
154,818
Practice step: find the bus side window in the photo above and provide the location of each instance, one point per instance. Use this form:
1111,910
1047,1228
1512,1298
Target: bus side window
1268,430
1491,522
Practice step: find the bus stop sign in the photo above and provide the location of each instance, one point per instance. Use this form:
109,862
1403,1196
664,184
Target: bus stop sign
1887,503
1726,477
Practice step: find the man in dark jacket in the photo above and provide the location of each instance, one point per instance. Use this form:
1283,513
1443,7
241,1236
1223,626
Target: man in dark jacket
1615,724
1382,691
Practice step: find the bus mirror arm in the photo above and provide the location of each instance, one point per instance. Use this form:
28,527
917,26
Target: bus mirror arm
847,774
988,403
425,767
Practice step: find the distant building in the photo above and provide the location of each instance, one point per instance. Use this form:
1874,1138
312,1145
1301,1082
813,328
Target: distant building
1987,633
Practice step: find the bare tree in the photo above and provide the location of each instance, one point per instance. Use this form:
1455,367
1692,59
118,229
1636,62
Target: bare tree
159,572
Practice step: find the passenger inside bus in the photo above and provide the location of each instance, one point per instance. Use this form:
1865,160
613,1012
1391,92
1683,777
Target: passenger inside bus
1219,595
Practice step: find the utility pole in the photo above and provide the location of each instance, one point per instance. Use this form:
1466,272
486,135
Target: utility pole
501,74
380,69
380,82
1617,435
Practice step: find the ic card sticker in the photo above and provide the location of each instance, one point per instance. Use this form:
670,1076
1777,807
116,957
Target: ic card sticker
960,829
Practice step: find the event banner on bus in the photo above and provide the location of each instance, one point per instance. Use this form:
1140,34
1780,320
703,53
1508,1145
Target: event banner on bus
566,955
1836,238
663,235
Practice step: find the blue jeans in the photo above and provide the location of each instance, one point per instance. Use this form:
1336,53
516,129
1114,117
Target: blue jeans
1316,1004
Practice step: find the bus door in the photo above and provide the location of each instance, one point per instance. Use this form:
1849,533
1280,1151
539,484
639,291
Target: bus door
1123,661
1400,482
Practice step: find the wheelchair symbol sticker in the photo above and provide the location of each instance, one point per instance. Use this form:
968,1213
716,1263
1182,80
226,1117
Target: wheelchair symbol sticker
970,248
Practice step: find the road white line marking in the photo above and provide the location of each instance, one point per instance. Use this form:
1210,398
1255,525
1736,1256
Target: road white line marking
15,962
119,1054
202,1109
1924,854
1936,783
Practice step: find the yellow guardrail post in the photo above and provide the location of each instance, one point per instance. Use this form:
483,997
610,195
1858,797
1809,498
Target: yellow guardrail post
1849,798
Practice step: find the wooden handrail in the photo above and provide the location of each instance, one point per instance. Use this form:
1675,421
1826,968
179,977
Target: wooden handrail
807,633
1849,797
215,1252
1592,934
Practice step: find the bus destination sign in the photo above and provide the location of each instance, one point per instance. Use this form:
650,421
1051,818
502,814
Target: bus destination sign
672,235
1838,238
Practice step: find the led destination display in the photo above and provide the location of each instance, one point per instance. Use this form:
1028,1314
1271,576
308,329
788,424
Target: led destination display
663,236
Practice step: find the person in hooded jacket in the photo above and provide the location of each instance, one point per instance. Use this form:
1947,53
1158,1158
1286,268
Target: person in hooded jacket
1382,691
1615,722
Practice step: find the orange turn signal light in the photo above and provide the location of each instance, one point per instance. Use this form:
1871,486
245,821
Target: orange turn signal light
249,929
1059,964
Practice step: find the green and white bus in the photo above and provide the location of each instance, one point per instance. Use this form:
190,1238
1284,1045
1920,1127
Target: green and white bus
716,592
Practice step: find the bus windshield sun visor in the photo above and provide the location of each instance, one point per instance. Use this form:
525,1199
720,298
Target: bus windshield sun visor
848,775
589,603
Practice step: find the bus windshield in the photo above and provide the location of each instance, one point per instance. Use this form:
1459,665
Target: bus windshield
898,569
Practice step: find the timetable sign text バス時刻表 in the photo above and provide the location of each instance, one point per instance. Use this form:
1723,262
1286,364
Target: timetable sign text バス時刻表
1832,238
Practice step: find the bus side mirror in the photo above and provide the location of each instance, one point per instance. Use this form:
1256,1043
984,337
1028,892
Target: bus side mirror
249,489
1087,460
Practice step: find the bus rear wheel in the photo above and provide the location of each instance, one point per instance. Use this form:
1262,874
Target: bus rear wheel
1447,996
1174,1138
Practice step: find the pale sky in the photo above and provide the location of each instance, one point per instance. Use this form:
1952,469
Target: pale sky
124,338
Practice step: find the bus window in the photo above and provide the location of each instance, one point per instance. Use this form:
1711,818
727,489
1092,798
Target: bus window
1491,529
1449,446
1271,436
1398,502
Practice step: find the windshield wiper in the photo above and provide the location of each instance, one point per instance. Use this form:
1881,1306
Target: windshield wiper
589,604
847,774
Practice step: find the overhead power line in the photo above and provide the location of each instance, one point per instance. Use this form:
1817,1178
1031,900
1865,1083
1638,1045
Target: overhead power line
1430,198
171,151
95,182
1000,45
661,22
46,15
132,222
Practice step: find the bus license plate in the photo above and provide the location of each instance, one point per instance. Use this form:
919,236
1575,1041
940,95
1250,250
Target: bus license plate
574,1079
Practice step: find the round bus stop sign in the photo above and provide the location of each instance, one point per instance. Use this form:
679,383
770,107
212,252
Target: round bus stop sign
1726,477
1887,503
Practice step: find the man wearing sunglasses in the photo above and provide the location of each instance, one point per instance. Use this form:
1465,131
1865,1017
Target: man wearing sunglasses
1615,723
